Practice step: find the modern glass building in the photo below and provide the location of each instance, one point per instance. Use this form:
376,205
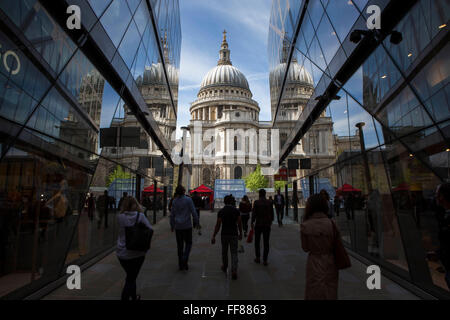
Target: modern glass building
82,111
386,93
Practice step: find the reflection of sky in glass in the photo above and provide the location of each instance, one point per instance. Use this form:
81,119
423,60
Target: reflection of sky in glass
109,104
115,20
99,5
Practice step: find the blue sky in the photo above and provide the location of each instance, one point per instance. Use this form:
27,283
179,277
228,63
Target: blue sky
202,24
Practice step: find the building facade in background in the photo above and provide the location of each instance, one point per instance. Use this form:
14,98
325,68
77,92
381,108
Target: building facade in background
387,101
63,94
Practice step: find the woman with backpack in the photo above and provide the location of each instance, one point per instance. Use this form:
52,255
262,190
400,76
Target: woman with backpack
130,260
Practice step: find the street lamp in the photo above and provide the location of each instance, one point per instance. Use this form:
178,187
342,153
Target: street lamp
360,126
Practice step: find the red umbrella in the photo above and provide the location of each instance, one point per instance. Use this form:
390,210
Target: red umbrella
347,188
151,189
202,189
402,187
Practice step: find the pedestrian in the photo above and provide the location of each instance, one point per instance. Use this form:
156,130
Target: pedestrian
443,218
337,205
91,206
147,203
103,204
318,239
326,196
124,196
198,203
245,207
279,207
229,220
262,218
180,221
130,260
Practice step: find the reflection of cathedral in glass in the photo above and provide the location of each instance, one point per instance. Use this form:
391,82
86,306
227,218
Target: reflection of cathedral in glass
153,88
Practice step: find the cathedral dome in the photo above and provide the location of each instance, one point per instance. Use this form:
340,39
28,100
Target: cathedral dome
296,75
225,75
154,75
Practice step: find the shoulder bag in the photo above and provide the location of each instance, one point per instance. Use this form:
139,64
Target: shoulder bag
138,236
340,254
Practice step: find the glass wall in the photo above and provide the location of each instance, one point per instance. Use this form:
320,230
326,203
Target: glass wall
61,176
380,147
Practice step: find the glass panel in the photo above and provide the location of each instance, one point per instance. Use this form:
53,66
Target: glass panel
115,20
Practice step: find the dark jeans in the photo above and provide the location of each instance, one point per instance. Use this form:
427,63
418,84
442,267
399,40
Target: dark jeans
132,268
265,231
232,242
184,244
280,213
244,218
198,214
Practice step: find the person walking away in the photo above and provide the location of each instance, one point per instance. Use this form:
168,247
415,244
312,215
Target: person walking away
180,220
147,203
198,203
229,219
443,217
279,206
326,196
130,260
91,206
337,205
262,218
124,196
317,236
245,207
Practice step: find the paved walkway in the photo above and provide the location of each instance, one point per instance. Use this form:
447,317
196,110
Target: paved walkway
283,278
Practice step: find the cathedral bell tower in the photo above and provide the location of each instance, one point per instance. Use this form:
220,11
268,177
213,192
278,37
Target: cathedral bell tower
224,51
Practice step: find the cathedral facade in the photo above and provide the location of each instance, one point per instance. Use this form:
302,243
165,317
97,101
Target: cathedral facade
224,103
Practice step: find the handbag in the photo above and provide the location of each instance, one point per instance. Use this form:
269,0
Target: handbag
250,236
340,254
138,236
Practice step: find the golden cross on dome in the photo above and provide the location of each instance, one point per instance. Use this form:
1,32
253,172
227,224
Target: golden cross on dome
224,35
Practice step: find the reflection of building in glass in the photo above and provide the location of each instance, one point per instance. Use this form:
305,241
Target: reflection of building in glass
56,94
154,90
399,90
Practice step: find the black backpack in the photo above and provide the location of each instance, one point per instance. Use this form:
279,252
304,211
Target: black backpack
138,236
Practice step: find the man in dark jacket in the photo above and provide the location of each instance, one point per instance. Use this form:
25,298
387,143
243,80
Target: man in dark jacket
229,219
198,203
279,207
443,217
262,218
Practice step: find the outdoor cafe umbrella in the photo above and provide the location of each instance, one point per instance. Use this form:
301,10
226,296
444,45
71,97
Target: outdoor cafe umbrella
151,189
347,188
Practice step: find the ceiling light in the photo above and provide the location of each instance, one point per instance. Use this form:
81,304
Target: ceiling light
442,26
411,155
409,54
384,77
448,150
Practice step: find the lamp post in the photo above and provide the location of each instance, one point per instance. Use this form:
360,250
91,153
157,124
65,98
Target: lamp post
180,169
360,126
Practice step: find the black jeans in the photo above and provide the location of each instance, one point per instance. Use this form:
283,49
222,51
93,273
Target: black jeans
280,213
244,218
184,245
232,242
265,231
132,268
